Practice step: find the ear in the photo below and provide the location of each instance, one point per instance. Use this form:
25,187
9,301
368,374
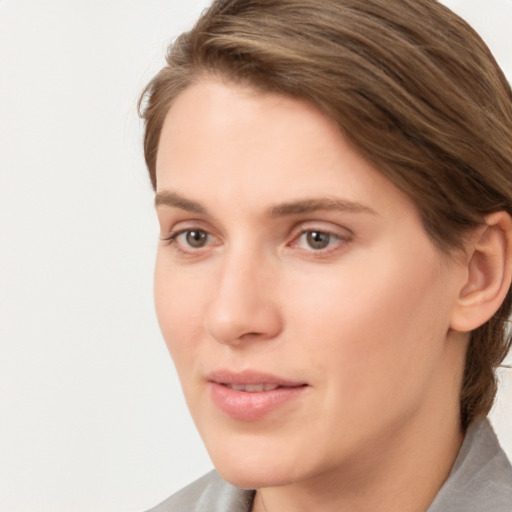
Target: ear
489,273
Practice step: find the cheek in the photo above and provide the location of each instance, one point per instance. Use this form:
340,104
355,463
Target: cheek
178,303
376,326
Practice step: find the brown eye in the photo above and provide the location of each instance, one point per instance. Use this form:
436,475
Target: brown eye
318,239
196,238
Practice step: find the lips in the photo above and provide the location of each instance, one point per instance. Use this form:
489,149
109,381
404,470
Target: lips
250,396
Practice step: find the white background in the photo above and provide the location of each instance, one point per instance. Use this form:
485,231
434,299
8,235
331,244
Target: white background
91,415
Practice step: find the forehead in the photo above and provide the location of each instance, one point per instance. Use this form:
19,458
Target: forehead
229,144
230,117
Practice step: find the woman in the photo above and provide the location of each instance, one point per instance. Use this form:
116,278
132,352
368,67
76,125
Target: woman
333,186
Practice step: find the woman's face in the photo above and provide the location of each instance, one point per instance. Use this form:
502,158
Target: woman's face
306,310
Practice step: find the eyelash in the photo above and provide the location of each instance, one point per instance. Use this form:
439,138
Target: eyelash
171,239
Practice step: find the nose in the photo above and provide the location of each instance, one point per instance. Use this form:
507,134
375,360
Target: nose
243,306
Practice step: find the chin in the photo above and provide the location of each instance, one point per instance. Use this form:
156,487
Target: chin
257,463
244,477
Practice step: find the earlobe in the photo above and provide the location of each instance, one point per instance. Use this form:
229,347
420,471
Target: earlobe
489,273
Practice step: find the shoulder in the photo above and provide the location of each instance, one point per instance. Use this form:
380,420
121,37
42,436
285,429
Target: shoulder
208,494
481,478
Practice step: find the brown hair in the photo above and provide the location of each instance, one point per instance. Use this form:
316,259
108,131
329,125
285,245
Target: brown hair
408,82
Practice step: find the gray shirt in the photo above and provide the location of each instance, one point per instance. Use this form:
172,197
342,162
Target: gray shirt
480,481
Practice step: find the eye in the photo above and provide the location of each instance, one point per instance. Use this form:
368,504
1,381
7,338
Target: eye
187,239
195,238
317,240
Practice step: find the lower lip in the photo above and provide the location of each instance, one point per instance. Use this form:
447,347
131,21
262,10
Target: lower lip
251,406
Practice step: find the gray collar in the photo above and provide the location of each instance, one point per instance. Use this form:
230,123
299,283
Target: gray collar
481,477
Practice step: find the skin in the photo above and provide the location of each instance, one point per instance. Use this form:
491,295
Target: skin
365,321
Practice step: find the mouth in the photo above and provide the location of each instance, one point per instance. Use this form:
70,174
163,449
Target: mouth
251,381
251,388
250,396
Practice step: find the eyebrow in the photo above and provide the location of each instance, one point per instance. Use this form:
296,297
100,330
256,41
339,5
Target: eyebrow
167,198
301,206
322,203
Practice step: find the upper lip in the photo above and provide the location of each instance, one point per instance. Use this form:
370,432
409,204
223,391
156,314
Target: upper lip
250,377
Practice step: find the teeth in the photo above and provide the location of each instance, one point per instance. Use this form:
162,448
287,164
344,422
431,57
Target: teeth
252,388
